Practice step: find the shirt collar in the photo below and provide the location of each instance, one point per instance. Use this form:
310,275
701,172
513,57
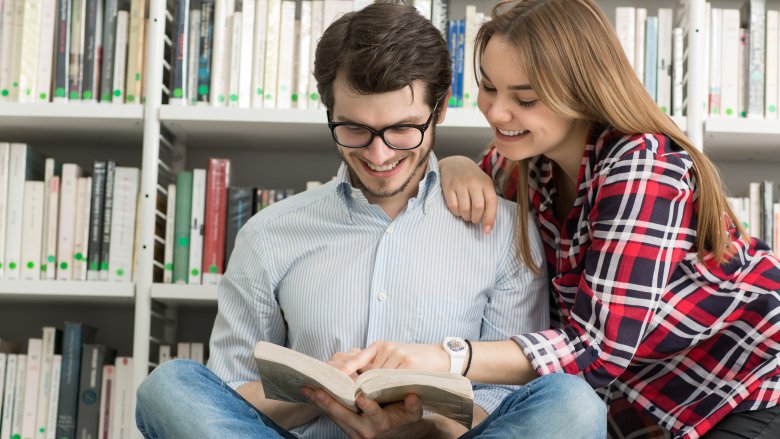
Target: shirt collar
427,188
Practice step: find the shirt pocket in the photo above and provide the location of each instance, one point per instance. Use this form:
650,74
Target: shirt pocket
438,318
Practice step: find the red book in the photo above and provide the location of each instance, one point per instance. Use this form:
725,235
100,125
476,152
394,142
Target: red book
215,220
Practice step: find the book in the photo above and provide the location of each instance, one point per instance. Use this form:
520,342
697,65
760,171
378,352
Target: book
54,393
8,396
664,89
74,335
135,51
96,219
284,371
108,206
729,72
107,390
217,182
31,37
222,10
170,222
32,379
93,43
240,209
196,225
110,12
640,43
120,52
45,51
120,257
81,237
77,32
5,153
258,54
49,252
285,68
24,164
753,18
7,49
19,393
32,230
271,67
193,56
247,32
67,224
51,346
716,43
179,60
204,50
93,358
772,63
181,231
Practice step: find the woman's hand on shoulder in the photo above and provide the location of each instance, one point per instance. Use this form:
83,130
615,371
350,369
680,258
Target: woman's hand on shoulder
469,192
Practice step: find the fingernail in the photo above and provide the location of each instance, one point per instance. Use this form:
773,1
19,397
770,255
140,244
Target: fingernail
487,229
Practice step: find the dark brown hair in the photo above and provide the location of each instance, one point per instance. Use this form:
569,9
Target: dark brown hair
382,48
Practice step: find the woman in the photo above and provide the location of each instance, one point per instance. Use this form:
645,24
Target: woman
662,303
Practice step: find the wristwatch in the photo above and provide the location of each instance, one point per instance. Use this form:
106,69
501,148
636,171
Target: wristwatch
458,350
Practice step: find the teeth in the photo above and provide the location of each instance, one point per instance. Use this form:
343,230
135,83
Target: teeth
512,133
385,168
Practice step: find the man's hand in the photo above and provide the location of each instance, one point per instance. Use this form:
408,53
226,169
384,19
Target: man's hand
387,355
374,421
340,358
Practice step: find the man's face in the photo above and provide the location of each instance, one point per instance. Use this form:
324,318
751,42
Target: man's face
383,173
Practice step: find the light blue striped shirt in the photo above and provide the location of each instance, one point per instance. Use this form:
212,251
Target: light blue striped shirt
325,271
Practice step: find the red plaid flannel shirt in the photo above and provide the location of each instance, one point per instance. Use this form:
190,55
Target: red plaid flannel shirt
665,338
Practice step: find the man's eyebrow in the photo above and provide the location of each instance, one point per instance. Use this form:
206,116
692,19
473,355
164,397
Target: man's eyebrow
511,87
404,121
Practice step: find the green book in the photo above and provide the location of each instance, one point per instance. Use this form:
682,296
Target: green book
181,231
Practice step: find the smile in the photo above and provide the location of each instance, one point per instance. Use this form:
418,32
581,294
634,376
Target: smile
383,168
511,133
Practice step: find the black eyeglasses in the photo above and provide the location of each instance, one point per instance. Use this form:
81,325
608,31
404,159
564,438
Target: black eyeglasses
402,137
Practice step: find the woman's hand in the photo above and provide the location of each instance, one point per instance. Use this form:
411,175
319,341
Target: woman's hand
469,192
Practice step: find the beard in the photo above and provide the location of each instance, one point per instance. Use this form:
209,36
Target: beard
382,191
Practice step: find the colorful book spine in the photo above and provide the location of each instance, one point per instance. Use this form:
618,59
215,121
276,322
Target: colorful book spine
77,32
93,36
108,213
217,182
170,226
651,56
109,50
240,205
204,50
96,219
179,60
74,335
181,252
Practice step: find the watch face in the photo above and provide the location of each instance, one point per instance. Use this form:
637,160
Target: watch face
455,345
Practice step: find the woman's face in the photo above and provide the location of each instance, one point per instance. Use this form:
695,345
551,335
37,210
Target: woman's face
522,125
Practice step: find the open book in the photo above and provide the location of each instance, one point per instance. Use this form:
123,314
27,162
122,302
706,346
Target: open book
284,371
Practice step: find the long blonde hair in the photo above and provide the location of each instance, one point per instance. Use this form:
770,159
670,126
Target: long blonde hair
577,67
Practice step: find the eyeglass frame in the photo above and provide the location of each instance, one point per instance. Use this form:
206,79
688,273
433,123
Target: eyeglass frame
381,133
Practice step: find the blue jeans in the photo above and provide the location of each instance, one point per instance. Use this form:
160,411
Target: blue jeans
184,399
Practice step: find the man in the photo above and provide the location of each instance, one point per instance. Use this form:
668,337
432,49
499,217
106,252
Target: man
372,255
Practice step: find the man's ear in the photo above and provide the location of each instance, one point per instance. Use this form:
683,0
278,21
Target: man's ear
445,105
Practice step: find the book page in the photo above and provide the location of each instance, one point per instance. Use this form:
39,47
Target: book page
284,371
447,394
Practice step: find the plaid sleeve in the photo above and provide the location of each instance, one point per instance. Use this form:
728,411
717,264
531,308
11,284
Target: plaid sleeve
642,224
495,165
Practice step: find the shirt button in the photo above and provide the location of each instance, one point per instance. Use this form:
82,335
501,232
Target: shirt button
595,352
382,297
389,230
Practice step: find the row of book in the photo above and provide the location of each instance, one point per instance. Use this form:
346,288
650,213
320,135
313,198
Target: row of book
57,223
654,47
78,50
743,50
203,215
255,53
65,386
184,350
759,214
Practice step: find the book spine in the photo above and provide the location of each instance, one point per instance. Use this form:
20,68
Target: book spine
89,391
5,153
729,71
107,390
218,180
109,50
716,43
49,256
196,225
67,223
754,13
170,221
218,49
42,92
240,205
640,42
77,33
135,51
303,62
756,204
439,15
767,194
32,230
62,51
272,38
625,27
3,362
193,57
19,393
81,236
258,56
664,91
31,36
50,346
96,219
120,258
8,396
19,162
120,57
124,392
92,34
233,57
468,79
743,59
245,68
16,55
7,50
651,57
33,376
105,245
205,50
181,252
677,72
51,417
461,59
772,64
69,381
179,62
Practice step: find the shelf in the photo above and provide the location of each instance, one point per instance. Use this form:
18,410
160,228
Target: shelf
185,294
464,131
70,291
75,123
742,139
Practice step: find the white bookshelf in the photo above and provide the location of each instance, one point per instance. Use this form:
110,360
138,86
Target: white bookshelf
71,291
185,294
755,140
